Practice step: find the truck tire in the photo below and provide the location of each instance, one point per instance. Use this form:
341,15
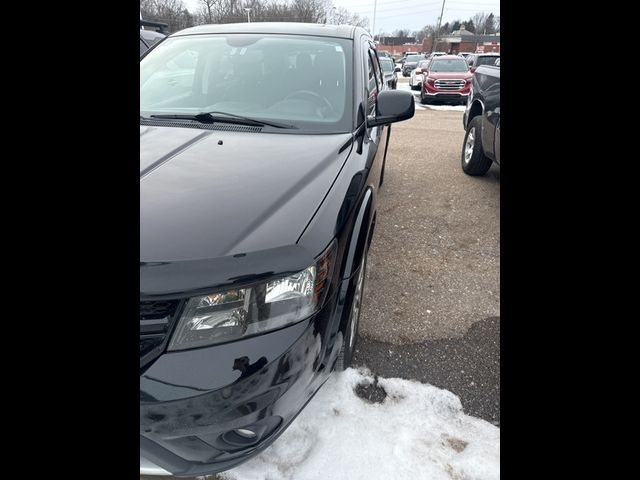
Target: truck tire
474,161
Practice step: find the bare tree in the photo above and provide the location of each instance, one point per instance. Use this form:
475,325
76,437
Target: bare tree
424,32
401,32
489,24
309,11
480,20
342,16
171,12
208,8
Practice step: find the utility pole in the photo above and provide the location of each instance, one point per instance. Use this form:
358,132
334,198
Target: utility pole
435,35
248,10
373,28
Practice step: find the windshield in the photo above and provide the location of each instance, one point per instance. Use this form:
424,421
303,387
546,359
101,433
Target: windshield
449,65
488,60
414,58
300,80
387,65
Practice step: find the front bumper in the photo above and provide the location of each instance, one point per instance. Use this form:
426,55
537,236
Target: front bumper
445,96
192,401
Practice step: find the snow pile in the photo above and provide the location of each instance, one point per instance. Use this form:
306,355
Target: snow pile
457,108
409,430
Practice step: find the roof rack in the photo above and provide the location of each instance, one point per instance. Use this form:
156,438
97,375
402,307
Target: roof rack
159,26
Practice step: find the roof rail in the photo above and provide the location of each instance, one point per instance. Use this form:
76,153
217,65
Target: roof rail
159,26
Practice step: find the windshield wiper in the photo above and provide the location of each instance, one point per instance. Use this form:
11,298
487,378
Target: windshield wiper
224,117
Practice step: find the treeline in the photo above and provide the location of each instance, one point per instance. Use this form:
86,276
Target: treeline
177,16
481,23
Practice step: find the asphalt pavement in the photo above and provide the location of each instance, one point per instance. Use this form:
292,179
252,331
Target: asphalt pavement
431,308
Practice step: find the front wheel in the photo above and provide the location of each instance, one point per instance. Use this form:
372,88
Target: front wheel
423,97
474,161
348,346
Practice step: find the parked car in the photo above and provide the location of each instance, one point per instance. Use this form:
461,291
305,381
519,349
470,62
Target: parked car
389,72
410,63
465,54
406,54
151,33
446,78
481,121
434,54
258,202
476,59
415,81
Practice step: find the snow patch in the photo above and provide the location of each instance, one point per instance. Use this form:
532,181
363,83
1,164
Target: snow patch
415,431
457,108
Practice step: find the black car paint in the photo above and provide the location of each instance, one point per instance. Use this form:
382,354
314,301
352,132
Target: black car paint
485,100
188,399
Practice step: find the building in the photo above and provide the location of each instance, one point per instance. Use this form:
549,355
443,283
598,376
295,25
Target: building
395,41
465,41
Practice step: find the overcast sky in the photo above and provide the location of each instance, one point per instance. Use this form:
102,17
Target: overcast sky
409,14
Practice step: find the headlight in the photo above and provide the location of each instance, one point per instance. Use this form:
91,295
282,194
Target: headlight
233,314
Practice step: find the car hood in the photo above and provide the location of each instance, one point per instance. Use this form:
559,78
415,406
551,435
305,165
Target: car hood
450,75
207,194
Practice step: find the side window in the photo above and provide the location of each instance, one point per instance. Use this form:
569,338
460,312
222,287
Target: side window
372,87
143,47
378,69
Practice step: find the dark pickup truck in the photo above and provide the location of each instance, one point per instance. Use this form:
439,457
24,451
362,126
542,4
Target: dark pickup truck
481,121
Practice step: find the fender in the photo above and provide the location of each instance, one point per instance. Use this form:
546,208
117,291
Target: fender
474,110
358,240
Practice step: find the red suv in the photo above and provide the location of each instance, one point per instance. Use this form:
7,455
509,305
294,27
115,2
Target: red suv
446,78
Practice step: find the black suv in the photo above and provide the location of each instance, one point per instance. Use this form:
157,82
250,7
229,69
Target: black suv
262,148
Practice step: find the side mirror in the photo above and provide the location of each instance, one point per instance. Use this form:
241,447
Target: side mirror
393,106
397,69
418,71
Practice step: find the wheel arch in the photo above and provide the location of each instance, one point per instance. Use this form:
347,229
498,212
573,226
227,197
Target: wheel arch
477,108
360,236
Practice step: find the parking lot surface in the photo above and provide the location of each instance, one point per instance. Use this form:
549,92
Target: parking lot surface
431,309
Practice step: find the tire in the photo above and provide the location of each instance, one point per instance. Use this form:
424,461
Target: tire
351,337
474,161
423,97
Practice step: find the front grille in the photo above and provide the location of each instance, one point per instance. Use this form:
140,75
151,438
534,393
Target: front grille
156,318
157,309
450,85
